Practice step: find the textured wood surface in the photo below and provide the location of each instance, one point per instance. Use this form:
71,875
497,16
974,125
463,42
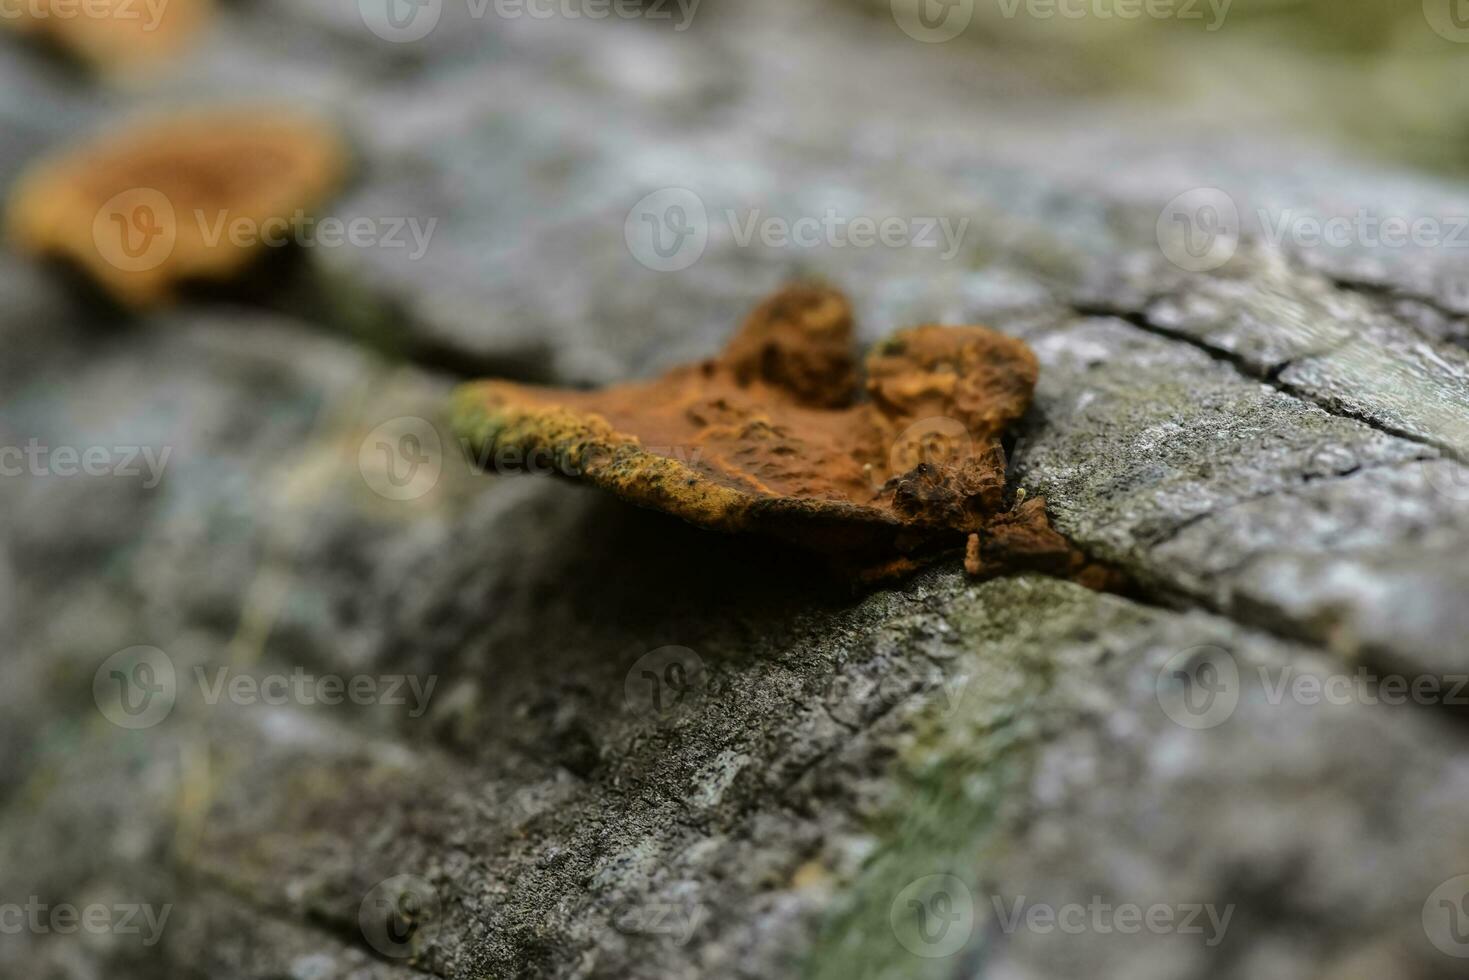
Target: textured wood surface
1275,450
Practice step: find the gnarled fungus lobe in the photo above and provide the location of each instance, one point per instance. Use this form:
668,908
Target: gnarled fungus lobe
773,436
192,197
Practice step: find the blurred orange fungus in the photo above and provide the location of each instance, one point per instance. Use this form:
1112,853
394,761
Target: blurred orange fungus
192,197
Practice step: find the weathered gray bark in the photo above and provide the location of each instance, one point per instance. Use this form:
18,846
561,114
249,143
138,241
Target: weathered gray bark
1274,451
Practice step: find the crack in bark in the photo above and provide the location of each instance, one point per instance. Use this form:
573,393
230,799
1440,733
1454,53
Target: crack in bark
1174,532
1386,292
1270,376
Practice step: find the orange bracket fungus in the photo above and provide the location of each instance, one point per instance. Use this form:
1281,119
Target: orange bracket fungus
192,197
112,35
778,435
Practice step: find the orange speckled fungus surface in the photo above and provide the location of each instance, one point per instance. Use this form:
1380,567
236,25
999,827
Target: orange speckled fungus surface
194,197
113,35
779,435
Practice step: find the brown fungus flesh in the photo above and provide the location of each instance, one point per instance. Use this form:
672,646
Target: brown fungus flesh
774,436
113,36
192,197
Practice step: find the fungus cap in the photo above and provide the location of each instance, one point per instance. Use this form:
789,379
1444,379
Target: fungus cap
774,436
113,35
159,203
